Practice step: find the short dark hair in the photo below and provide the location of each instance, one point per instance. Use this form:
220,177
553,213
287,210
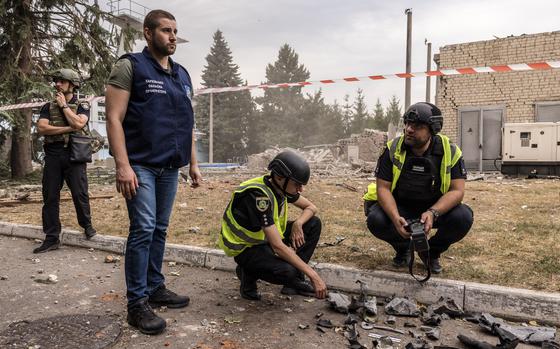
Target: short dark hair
151,21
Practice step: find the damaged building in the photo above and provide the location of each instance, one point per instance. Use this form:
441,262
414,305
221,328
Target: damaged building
478,106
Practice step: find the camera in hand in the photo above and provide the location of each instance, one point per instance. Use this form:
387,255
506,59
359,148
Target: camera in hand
417,235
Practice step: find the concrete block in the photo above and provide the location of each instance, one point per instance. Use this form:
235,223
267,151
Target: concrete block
6,228
190,255
28,231
107,243
513,303
217,259
385,283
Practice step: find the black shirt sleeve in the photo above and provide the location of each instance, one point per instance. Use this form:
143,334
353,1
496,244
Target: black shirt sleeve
459,171
44,112
83,108
384,169
253,210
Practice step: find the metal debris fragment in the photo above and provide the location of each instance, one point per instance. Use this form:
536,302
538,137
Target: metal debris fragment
402,307
340,302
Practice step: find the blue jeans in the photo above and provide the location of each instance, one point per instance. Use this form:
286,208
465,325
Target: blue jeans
148,212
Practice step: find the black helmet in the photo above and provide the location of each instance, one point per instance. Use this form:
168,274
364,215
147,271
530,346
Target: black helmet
67,74
426,113
288,164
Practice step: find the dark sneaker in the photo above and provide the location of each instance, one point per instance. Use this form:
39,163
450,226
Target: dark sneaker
435,266
145,320
401,259
248,285
163,297
301,287
48,245
90,232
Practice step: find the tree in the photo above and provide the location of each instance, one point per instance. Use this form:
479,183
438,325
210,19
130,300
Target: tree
347,116
282,109
379,120
393,111
231,111
360,112
37,36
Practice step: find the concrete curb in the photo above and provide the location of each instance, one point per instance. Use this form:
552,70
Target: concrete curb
512,303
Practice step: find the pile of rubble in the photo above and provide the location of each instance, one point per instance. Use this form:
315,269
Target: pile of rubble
348,156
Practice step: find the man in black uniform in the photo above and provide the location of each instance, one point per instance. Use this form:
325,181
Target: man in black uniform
57,120
419,175
256,231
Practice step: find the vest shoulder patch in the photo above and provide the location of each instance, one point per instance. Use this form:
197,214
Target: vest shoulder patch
85,105
262,203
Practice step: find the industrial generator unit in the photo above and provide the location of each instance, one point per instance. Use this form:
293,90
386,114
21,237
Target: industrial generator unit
531,148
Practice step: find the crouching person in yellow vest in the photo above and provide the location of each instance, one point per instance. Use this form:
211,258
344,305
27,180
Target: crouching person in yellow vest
264,244
420,175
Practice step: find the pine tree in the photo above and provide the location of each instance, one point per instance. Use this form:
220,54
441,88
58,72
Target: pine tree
360,113
379,120
37,36
393,111
231,110
347,116
282,109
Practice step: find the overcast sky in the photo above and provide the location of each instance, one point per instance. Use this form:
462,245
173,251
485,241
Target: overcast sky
336,39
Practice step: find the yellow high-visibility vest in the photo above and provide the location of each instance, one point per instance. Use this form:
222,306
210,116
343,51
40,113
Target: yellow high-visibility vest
451,154
233,237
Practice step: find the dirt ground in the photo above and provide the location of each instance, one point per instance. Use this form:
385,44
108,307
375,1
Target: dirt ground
514,240
215,318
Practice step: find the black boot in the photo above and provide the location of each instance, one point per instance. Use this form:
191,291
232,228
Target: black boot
402,258
49,244
90,232
144,319
248,286
301,287
164,297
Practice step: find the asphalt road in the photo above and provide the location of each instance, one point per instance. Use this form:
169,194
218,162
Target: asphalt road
216,318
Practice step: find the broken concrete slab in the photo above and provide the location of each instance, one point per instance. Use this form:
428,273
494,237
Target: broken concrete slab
115,244
506,332
402,307
512,303
340,302
6,228
386,283
217,259
191,255
28,231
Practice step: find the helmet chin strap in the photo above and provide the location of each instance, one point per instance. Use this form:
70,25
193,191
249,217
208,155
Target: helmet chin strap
284,187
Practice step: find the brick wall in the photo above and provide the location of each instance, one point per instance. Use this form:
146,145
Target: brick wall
516,91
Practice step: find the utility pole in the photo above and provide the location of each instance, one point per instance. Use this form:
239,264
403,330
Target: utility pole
211,131
428,68
408,13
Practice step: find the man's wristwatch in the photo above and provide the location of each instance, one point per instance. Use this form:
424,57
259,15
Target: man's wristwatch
65,106
435,213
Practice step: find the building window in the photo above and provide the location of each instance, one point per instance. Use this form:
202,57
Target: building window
547,112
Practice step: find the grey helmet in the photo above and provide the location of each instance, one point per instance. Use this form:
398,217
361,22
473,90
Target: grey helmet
67,74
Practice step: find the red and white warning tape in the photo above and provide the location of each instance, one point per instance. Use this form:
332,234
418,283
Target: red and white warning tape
442,72
40,103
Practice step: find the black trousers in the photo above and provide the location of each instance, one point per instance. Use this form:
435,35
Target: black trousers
261,262
451,227
58,169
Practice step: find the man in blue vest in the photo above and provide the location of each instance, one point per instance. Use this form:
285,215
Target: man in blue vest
257,233
150,128
419,175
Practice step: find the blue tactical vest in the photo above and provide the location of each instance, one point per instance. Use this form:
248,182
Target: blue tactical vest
159,118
